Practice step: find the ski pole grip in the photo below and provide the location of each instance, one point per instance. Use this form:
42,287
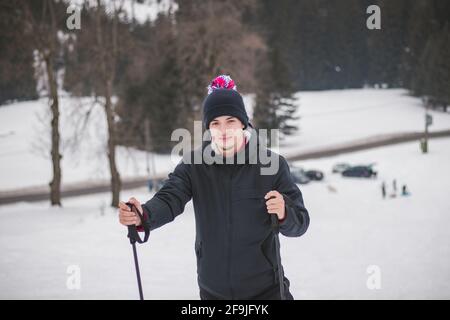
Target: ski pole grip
133,234
274,219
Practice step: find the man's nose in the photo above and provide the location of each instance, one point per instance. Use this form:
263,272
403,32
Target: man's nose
223,129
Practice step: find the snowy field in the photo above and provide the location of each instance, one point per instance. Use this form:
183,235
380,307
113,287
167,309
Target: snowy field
351,229
327,118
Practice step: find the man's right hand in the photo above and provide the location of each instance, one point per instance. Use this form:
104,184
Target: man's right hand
128,217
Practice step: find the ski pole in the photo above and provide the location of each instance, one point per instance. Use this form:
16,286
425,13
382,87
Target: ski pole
275,226
138,274
134,237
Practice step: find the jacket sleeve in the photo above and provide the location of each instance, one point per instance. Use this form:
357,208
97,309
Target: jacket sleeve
171,199
296,221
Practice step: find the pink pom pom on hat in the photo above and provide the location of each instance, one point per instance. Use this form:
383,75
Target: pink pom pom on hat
223,81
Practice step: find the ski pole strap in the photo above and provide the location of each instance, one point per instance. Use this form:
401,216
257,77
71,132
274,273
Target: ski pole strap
132,231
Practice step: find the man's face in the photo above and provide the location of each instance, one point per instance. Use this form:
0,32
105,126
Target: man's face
226,132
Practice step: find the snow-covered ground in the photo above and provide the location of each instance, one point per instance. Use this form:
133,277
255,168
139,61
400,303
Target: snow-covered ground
351,230
326,118
354,228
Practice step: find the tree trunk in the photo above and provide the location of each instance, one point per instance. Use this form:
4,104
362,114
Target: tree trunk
107,74
55,184
116,183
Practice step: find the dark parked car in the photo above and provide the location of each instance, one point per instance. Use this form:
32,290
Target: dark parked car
360,171
340,167
314,175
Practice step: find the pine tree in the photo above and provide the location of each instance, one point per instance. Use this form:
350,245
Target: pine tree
434,70
17,80
387,45
421,25
275,102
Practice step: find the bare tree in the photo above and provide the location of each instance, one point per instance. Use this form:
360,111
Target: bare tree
211,42
41,25
106,48
93,70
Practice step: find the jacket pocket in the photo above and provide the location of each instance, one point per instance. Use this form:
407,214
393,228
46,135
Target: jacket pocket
249,213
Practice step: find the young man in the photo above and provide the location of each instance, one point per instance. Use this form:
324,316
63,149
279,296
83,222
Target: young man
235,241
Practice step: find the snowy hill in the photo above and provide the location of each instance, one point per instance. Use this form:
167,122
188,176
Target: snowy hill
337,116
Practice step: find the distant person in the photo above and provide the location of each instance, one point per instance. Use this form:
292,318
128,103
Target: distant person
405,191
394,189
383,189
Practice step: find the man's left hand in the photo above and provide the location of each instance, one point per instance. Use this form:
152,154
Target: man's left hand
275,204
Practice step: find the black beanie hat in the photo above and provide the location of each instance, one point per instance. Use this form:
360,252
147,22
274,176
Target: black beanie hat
223,101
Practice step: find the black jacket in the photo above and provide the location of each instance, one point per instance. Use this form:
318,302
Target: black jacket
234,244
